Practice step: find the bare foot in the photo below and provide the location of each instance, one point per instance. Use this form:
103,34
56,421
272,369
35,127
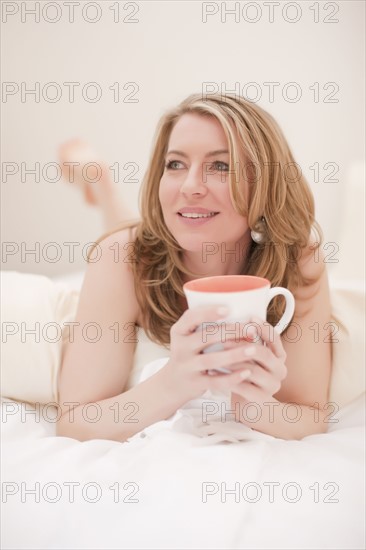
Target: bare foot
82,167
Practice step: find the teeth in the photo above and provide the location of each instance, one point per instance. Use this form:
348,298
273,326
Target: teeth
189,215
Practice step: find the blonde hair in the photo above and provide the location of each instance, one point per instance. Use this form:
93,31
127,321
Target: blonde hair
287,205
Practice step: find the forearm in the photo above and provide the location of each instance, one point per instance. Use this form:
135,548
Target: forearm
282,420
120,417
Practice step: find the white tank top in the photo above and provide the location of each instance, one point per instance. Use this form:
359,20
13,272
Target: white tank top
146,351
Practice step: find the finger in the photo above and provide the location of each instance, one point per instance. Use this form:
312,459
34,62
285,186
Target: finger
192,318
225,358
227,381
242,352
250,392
241,365
231,335
264,380
231,344
270,337
270,368
226,333
265,359
263,356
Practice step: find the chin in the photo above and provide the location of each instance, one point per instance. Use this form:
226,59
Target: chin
191,243
205,245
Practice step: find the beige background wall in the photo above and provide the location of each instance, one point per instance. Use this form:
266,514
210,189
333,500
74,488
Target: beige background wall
171,50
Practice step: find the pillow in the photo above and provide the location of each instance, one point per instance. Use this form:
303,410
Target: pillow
33,312
348,365
30,362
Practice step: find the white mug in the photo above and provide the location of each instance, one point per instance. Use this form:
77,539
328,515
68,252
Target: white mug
246,296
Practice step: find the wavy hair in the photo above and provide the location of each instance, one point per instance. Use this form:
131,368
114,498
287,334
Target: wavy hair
278,192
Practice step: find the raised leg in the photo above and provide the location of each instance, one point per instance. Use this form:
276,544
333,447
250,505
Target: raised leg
83,168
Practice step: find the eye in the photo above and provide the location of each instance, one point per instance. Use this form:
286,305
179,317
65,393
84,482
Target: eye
172,165
219,166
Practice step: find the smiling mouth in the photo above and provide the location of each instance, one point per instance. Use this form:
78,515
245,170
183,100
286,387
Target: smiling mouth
195,216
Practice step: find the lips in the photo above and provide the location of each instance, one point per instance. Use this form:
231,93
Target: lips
197,215
193,216
196,212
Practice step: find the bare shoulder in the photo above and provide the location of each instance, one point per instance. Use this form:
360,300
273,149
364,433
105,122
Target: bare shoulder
312,266
310,261
120,243
117,251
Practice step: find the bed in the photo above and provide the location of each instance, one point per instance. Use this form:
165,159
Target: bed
185,482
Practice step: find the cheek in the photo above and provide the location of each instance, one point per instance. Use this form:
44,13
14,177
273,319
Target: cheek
163,192
165,198
167,191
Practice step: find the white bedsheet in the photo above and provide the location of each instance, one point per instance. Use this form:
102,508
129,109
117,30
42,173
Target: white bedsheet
169,486
172,474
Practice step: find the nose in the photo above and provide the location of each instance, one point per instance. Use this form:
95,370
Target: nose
194,183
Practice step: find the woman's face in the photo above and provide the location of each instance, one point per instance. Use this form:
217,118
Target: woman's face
196,179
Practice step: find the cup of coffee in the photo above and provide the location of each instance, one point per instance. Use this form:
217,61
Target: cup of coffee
246,296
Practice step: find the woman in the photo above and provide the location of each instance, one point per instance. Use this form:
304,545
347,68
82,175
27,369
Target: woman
226,157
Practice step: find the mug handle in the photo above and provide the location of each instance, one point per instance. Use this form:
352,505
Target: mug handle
290,306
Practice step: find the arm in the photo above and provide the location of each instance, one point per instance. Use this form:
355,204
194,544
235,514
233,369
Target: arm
123,415
97,372
307,355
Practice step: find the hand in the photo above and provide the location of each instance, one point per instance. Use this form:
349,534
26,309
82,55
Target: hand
187,368
268,368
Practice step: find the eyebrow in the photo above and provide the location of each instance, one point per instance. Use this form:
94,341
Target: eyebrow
210,154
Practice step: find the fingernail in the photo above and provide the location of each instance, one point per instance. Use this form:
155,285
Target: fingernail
250,351
245,374
251,332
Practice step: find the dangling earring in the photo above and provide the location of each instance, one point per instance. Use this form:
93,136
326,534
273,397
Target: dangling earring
259,233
